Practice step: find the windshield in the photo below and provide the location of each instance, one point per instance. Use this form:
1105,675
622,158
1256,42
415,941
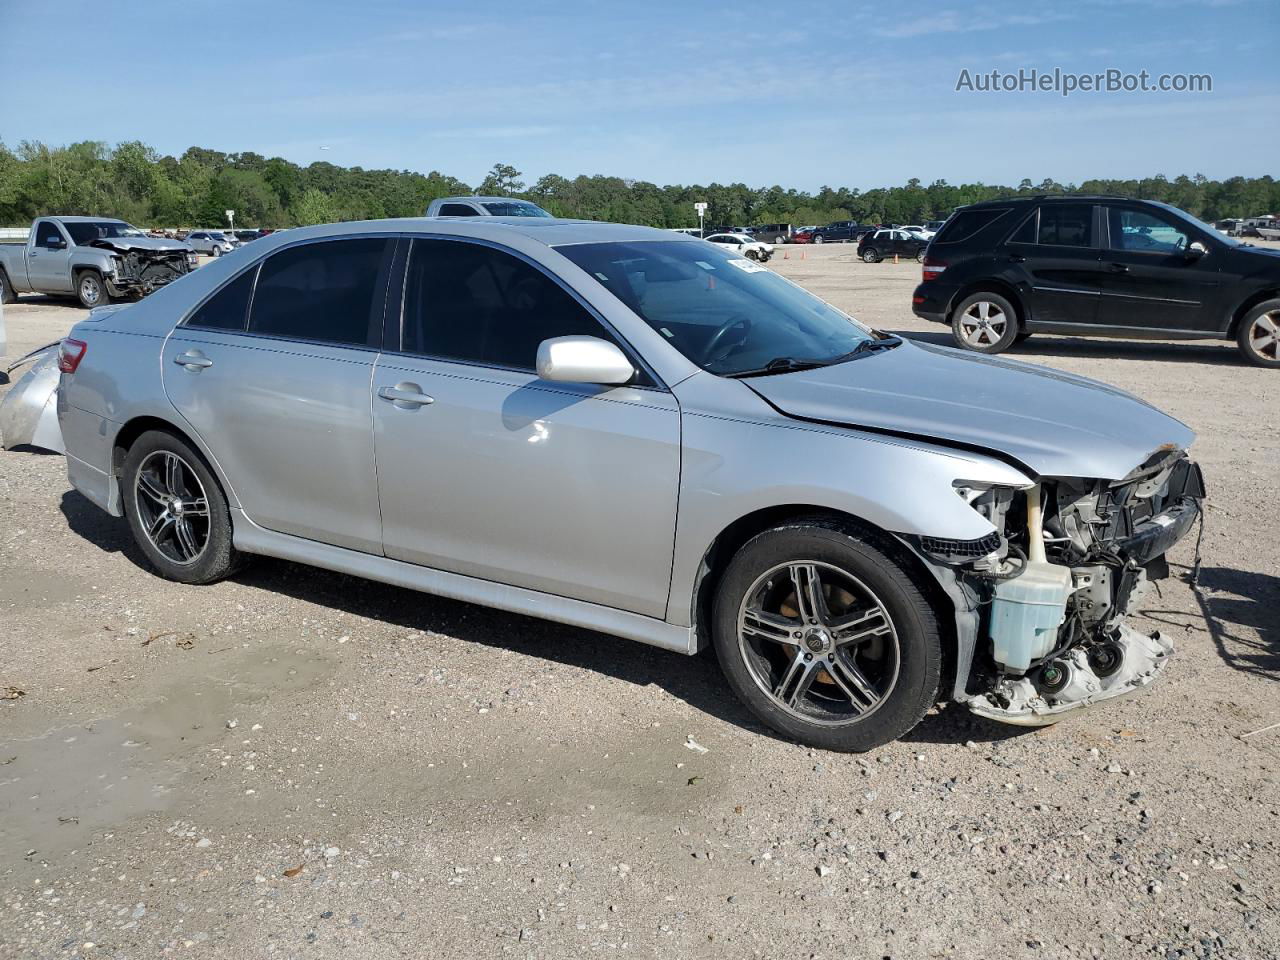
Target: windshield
84,233
725,313
515,208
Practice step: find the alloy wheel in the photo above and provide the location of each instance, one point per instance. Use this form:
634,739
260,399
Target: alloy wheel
173,509
818,642
1264,335
983,324
90,290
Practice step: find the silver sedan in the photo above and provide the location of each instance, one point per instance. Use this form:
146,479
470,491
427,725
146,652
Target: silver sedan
644,434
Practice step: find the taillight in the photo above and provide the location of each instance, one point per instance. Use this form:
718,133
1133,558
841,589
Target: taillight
70,353
932,269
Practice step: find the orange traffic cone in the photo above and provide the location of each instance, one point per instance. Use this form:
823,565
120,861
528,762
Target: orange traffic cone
895,258
802,254
786,254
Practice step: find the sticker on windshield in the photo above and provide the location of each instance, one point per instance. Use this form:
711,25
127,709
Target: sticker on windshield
747,266
704,265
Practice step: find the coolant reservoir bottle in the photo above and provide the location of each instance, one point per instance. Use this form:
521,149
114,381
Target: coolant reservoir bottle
1028,610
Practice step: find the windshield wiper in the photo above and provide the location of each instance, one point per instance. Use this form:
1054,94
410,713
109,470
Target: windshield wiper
869,346
778,365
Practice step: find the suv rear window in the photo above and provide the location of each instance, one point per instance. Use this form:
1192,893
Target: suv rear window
968,222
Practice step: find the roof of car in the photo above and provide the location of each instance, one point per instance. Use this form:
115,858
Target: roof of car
1050,197
484,200
546,230
86,219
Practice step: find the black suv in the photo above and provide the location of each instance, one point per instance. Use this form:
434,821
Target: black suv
874,247
842,231
1002,270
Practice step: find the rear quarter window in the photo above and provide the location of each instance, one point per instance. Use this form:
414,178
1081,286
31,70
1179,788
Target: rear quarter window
967,223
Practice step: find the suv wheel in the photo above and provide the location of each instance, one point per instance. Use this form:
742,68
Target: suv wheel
6,290
1259,336
869,255
91,289
176,510
985,322
818,239
825,638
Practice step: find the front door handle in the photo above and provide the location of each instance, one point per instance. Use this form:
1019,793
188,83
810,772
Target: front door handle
1118,267
193,360
1017,258
405,395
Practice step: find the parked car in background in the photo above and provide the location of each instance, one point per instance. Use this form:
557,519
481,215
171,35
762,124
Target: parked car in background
246,236
744,244
874,247
842,231
214,243
934,225
918,230
802,235
1102,266
774,233
94,259
484,207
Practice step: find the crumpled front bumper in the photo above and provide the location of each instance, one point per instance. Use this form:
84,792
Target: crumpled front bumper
29,411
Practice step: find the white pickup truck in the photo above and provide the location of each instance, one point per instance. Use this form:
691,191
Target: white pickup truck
95,259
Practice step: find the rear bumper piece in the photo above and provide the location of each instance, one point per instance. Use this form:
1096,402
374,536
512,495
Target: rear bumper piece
29,412
1019,701
928,303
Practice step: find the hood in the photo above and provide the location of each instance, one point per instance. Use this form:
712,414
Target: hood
125,244
1054,423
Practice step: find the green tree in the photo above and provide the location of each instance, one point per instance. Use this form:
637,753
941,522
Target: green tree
502,181
313,207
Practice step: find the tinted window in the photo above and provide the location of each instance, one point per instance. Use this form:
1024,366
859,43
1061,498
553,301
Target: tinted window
966,223
1141,232
457,210
328,291
228,308
46,232
468,302
1066,225
515,208
1026,233
85,233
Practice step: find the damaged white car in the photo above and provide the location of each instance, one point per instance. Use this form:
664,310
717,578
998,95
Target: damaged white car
648,435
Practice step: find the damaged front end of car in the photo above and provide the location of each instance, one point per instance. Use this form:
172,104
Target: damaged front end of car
1044,598
138,269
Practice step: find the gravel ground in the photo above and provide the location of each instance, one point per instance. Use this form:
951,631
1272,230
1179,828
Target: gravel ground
301,764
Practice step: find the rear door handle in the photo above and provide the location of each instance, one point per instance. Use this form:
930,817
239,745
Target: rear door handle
193,360
405,395
1118,267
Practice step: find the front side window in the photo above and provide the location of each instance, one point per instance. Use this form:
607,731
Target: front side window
1141,232
726,314
328,291
45,232
457,210
228,308
473,303
1066,225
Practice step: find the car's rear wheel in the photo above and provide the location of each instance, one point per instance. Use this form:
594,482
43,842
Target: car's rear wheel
920,255
818,239
6,289
1259,336
176,510
869,255
985,322
826,638
91,289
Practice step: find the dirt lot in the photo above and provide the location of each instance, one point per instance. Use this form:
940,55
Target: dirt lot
297,763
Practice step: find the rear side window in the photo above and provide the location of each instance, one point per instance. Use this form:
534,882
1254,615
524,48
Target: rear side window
457,210
229,307
966,223
468,302
1066,225
330,291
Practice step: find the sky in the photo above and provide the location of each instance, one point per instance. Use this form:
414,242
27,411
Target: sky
802,94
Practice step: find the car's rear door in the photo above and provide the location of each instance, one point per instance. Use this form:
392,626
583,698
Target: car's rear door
488,471
273,373
1057,250
1152,282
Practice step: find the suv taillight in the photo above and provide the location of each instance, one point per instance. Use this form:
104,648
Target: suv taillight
932,268
70,353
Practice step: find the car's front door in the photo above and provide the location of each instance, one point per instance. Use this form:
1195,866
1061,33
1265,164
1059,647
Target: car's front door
1057,252
1152,280
273,376
49,259
488,471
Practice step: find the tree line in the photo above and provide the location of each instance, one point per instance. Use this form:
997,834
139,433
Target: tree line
134,182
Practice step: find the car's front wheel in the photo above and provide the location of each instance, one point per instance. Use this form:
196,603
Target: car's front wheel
1259,336
818,239
91,289
176,510
869,255
985,322
826,638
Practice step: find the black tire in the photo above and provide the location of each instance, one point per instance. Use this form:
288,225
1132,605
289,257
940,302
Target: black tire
1023,335
838,551
91,289
818,239
997,313
870,255
920,255
217,558
216,251
1259,334
6,289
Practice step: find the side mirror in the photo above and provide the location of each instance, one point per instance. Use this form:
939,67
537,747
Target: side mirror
583,360
55,243
1196,250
